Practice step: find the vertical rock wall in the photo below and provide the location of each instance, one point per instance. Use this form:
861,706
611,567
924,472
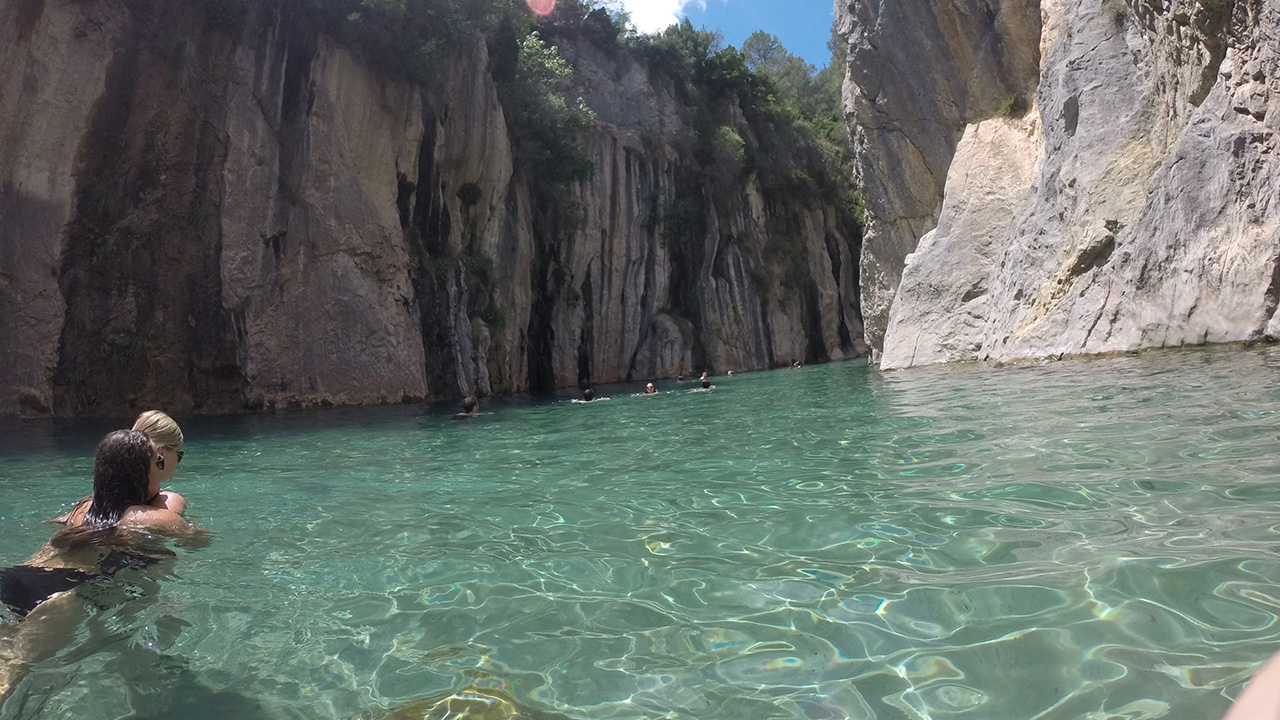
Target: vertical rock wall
919,73
211,205
37,187
1131,206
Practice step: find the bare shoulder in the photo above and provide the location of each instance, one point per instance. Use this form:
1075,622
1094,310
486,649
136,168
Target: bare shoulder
169,501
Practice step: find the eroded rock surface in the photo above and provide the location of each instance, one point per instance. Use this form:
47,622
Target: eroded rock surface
919,73
1132,206
211,210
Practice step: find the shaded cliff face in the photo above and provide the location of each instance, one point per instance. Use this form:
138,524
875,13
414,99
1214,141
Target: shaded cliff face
919,73
212,205
1132,206
649,269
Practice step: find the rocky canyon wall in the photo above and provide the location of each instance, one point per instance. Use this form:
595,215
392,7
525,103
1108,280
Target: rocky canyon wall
211,209
1131,205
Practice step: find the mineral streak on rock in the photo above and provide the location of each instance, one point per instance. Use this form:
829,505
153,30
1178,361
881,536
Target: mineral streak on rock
210,210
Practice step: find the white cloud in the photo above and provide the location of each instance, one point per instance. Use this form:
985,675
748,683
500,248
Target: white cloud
651,16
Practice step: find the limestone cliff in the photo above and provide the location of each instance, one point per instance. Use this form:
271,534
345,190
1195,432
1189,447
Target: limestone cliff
1130,205
210,206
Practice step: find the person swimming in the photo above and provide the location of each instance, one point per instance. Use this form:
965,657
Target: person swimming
649,389
123,481
101,537
470,408
164,432
589,395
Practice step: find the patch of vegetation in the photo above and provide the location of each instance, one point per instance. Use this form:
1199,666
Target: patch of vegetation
545,122
1013,105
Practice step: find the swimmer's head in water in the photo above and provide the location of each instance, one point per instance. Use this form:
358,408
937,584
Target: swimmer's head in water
706,384
650,389
161,429
470,405
588,395
167,436
121,468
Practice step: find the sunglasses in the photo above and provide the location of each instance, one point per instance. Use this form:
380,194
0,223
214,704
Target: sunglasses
160,458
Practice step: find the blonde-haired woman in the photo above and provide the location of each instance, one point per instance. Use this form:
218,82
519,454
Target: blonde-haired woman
167,437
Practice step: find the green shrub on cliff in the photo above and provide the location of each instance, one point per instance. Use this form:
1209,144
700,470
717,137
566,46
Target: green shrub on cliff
545,122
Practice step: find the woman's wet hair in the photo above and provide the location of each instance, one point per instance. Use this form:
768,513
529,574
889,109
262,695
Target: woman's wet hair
160,428
121,470
470,404
588,395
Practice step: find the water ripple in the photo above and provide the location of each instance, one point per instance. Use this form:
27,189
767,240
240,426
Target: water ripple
1087,539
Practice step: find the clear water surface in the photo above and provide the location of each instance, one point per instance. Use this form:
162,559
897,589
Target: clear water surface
1094,538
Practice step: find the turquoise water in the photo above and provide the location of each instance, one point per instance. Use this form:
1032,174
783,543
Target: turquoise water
1090,538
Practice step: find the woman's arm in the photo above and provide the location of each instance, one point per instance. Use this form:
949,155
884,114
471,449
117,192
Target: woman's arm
143,518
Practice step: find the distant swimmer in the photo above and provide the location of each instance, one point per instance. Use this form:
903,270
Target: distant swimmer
704,376
650,389
588,395
470,408
730,373
706,384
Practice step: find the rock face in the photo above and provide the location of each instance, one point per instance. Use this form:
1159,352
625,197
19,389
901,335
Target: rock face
1133,205
919,73
206,209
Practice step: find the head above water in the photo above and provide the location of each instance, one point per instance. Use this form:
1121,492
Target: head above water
706,384
165,433
160,428
470,405
588,395
650,389
121,475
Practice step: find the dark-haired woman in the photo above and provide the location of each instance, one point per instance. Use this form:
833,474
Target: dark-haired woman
89,547
123,483
164,432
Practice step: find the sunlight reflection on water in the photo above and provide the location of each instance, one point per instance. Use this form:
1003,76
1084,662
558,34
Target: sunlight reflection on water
1087,538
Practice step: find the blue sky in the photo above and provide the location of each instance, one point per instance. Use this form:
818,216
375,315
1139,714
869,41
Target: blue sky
803,26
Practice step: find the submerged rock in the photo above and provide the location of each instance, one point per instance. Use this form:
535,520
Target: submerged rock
471,703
